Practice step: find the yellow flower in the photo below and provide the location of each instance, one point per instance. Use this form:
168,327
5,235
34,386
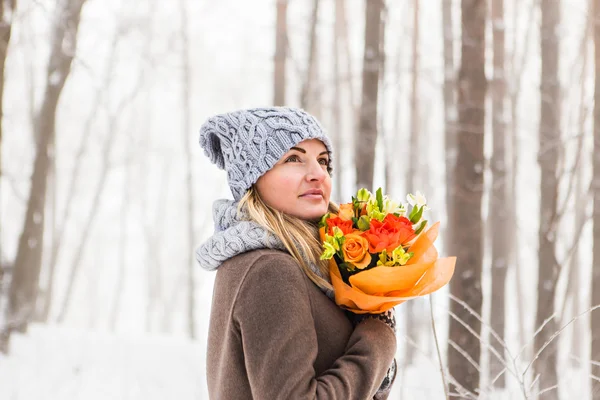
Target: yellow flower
356,250
346,212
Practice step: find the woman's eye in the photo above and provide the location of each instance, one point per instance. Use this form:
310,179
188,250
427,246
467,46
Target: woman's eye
291,158
324,161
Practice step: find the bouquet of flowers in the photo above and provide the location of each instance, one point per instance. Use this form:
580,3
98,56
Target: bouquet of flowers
381,252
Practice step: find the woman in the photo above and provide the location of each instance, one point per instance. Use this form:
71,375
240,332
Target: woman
275,332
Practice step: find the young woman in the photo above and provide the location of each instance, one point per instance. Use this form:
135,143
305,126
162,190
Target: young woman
275,332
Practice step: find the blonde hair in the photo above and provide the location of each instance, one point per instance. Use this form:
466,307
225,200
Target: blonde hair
300,237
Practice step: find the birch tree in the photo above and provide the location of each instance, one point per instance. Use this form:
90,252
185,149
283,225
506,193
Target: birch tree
25,280
449,101
595,323
465,214
310,97
7,10
367,137
499,199
186,84
280,54
337,94
414,308
548,157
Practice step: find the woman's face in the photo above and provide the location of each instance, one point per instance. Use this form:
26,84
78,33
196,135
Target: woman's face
299,184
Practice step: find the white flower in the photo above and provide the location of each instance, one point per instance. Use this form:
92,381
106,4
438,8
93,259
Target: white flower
418,200
393,207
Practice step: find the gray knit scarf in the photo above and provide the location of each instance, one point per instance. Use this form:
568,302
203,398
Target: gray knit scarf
234,234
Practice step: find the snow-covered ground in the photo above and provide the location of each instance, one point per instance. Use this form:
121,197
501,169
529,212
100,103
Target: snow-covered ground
56,363
59,363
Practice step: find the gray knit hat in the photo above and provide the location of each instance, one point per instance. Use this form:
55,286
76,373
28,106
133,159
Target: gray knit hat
248,143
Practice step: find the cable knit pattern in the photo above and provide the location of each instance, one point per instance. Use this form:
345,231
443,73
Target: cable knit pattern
236,234
248,143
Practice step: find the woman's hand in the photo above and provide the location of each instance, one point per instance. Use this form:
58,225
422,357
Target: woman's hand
389,317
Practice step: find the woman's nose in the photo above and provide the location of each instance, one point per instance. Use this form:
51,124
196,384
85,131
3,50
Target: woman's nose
316,172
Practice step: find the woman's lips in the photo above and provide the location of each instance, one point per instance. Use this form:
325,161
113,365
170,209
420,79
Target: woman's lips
312,196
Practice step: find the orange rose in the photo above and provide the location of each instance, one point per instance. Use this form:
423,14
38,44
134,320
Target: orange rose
346,212
355,250
389,234
404,227
345,226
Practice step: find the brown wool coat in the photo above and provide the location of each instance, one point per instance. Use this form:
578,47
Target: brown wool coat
274,335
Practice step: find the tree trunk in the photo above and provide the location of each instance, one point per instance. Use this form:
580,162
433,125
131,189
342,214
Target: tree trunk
125,201
573,292
106,149
337,97
367,137
517,72
449,105
595,318
7,9
413,181
549,138
310,96
413,148
466,242
280,53
25,280
499,199
189,186
575,281
395,136
154,236
352,101
75,174
381,97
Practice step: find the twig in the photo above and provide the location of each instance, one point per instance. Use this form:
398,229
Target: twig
555,334
437,347
499,339
478,337
464,354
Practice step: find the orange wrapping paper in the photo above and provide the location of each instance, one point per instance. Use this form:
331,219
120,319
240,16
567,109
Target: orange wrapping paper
380,288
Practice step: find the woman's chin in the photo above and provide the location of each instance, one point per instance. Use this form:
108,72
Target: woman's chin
312,215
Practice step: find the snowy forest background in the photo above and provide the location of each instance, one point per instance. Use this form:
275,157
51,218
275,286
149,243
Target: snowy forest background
488,107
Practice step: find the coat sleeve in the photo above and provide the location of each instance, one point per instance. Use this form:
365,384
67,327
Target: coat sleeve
273,313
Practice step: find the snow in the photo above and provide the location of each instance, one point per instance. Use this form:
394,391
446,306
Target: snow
54,362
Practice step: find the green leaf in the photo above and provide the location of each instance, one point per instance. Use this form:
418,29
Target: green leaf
378,216
337,232
347,266
331,241
423,224
355,206
383,255
413,212
364,223
322,222
415,218
379,197
328,251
